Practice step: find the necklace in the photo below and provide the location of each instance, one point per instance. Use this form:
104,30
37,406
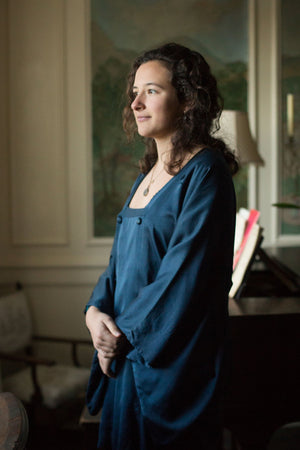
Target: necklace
147,189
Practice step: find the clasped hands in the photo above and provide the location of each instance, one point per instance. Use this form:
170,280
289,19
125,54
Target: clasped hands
108,339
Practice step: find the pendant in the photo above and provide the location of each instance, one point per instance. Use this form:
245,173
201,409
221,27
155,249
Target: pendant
146,191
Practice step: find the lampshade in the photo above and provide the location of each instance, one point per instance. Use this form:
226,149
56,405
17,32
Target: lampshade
235,132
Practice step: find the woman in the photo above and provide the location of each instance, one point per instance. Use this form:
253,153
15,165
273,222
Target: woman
157,316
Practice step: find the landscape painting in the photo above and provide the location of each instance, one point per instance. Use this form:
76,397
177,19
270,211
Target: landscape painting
290,90
119,32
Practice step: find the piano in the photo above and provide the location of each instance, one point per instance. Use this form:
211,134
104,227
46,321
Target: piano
263,388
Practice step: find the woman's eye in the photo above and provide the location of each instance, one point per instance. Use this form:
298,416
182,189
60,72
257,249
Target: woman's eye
151,91
134,94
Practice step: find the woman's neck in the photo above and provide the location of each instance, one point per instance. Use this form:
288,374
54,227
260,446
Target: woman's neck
163,151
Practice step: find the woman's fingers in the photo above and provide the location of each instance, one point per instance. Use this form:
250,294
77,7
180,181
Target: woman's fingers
113,350
107,353
105,334
105,365
111,326
106,340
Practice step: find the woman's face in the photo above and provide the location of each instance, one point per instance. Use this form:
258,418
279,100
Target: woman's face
156,105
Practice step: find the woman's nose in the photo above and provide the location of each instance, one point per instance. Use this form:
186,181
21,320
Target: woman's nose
137,103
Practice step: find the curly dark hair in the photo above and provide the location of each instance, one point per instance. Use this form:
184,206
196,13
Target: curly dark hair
196,88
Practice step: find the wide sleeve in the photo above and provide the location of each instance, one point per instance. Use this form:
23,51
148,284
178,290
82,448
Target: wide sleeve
103,294
191,286
102,298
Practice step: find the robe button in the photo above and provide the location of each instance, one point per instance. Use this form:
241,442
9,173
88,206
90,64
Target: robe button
139,221
119,219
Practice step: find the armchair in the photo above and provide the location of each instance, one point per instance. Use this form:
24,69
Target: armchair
40,383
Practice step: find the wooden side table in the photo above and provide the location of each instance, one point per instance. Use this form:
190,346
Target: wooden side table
13,423
90,426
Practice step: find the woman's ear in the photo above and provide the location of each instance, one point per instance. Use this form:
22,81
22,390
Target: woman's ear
186,109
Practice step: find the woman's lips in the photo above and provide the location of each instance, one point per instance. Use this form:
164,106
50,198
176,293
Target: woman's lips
142,118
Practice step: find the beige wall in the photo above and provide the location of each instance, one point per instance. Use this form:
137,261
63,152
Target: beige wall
45,178
45,172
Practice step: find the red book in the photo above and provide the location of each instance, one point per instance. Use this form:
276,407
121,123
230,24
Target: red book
252,219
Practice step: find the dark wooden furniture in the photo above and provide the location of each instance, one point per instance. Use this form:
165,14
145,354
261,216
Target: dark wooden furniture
263,390
13,423
90,426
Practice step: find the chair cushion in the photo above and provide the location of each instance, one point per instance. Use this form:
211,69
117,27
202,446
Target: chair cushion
15,322
58,384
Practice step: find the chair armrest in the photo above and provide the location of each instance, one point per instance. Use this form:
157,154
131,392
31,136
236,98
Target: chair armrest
29,359
63,340
72,341
33,362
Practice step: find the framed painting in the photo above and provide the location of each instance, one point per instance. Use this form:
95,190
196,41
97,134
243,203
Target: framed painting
289,191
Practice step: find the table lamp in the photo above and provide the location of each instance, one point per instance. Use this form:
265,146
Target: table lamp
235,132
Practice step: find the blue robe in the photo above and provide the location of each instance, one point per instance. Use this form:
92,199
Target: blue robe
166,287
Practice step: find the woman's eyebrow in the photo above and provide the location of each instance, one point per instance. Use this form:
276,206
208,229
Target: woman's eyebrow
150,83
